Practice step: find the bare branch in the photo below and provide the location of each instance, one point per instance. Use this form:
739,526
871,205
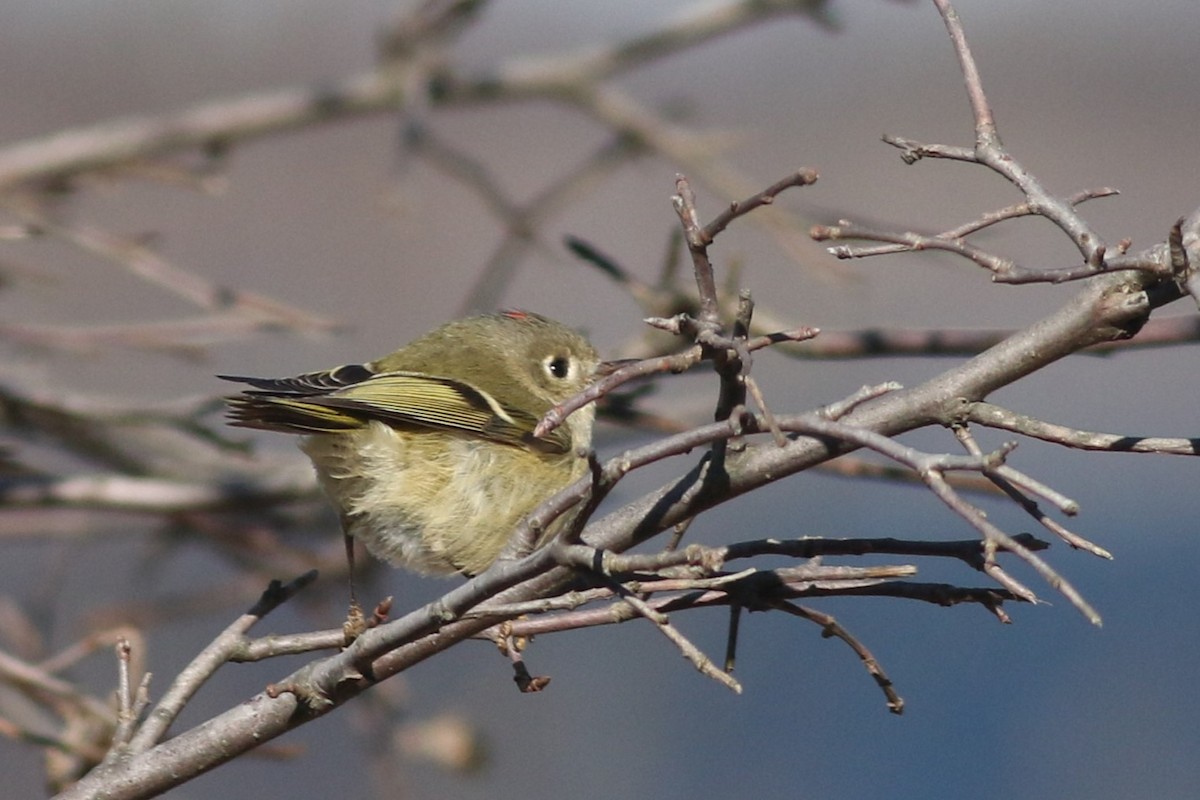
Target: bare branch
115,492
831,627
208,126
994,416
1031,507
208,661
152,268
692,653
804,177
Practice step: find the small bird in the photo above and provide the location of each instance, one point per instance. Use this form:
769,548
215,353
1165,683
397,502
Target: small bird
429,453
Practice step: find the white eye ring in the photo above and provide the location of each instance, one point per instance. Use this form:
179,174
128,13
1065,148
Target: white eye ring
559,367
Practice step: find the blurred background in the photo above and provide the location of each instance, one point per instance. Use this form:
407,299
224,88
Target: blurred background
343,221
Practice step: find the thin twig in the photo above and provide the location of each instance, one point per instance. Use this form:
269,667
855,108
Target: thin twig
994,416
208,661
693,654
125,701
831,627
148,265
1027,503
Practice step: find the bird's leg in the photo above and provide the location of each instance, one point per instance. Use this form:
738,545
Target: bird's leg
355,622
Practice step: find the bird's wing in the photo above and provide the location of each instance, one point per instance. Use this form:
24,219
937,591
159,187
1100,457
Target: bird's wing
304,404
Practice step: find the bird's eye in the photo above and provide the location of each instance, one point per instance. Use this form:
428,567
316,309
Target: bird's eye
558,366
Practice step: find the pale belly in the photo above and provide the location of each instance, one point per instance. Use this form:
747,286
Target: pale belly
435,505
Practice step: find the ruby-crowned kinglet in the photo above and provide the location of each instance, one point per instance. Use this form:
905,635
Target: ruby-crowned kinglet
429,453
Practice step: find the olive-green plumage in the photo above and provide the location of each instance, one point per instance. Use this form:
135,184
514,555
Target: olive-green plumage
429,453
